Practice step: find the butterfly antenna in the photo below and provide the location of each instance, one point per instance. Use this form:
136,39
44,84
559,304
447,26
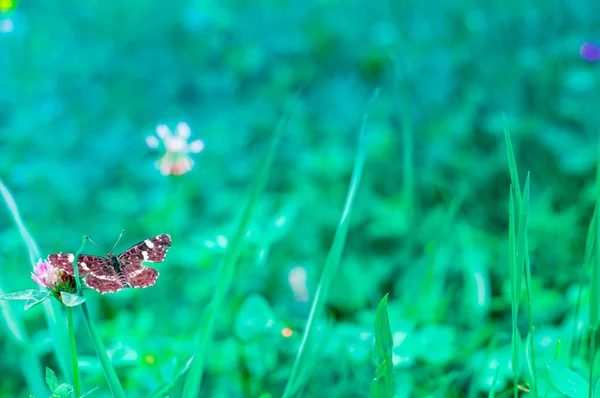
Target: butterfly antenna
117,242
88,238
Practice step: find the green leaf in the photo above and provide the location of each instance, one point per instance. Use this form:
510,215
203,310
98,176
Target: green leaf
71,300
51,379
254,317
63,391
383,384
30,294
567,381
31,303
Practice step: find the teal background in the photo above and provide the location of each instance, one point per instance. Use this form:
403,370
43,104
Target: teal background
83,83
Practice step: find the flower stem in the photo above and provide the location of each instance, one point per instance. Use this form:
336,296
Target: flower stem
109,372
76,384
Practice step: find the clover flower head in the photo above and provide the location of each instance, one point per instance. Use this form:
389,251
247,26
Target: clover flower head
176,159
590,52
45,274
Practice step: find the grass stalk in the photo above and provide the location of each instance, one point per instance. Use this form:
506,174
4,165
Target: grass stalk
492,393
515,338
193,380
294,383
51,307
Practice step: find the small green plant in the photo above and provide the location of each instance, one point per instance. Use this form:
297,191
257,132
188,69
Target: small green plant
383,384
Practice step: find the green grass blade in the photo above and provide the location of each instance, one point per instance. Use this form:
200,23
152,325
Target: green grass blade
531,339
515,294
521,244
514,176
524,268
331,265
521,247
193,379
512,167
163,389
109,371
492,393
383,384
590,240
51,307
511,246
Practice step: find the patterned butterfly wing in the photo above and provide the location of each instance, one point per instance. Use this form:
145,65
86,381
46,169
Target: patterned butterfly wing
107,281
151,250
86,263
99,274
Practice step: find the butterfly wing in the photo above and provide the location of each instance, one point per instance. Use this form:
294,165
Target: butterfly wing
86,263
99,273
140,276
151,250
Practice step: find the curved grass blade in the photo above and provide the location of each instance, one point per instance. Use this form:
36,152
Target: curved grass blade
51,307
193,380
492,393
383,384
332,262
109,371
165,387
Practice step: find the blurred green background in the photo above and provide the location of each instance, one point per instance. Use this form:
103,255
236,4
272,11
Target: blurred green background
82,84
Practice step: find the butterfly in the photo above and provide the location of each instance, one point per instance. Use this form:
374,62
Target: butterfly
113,273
